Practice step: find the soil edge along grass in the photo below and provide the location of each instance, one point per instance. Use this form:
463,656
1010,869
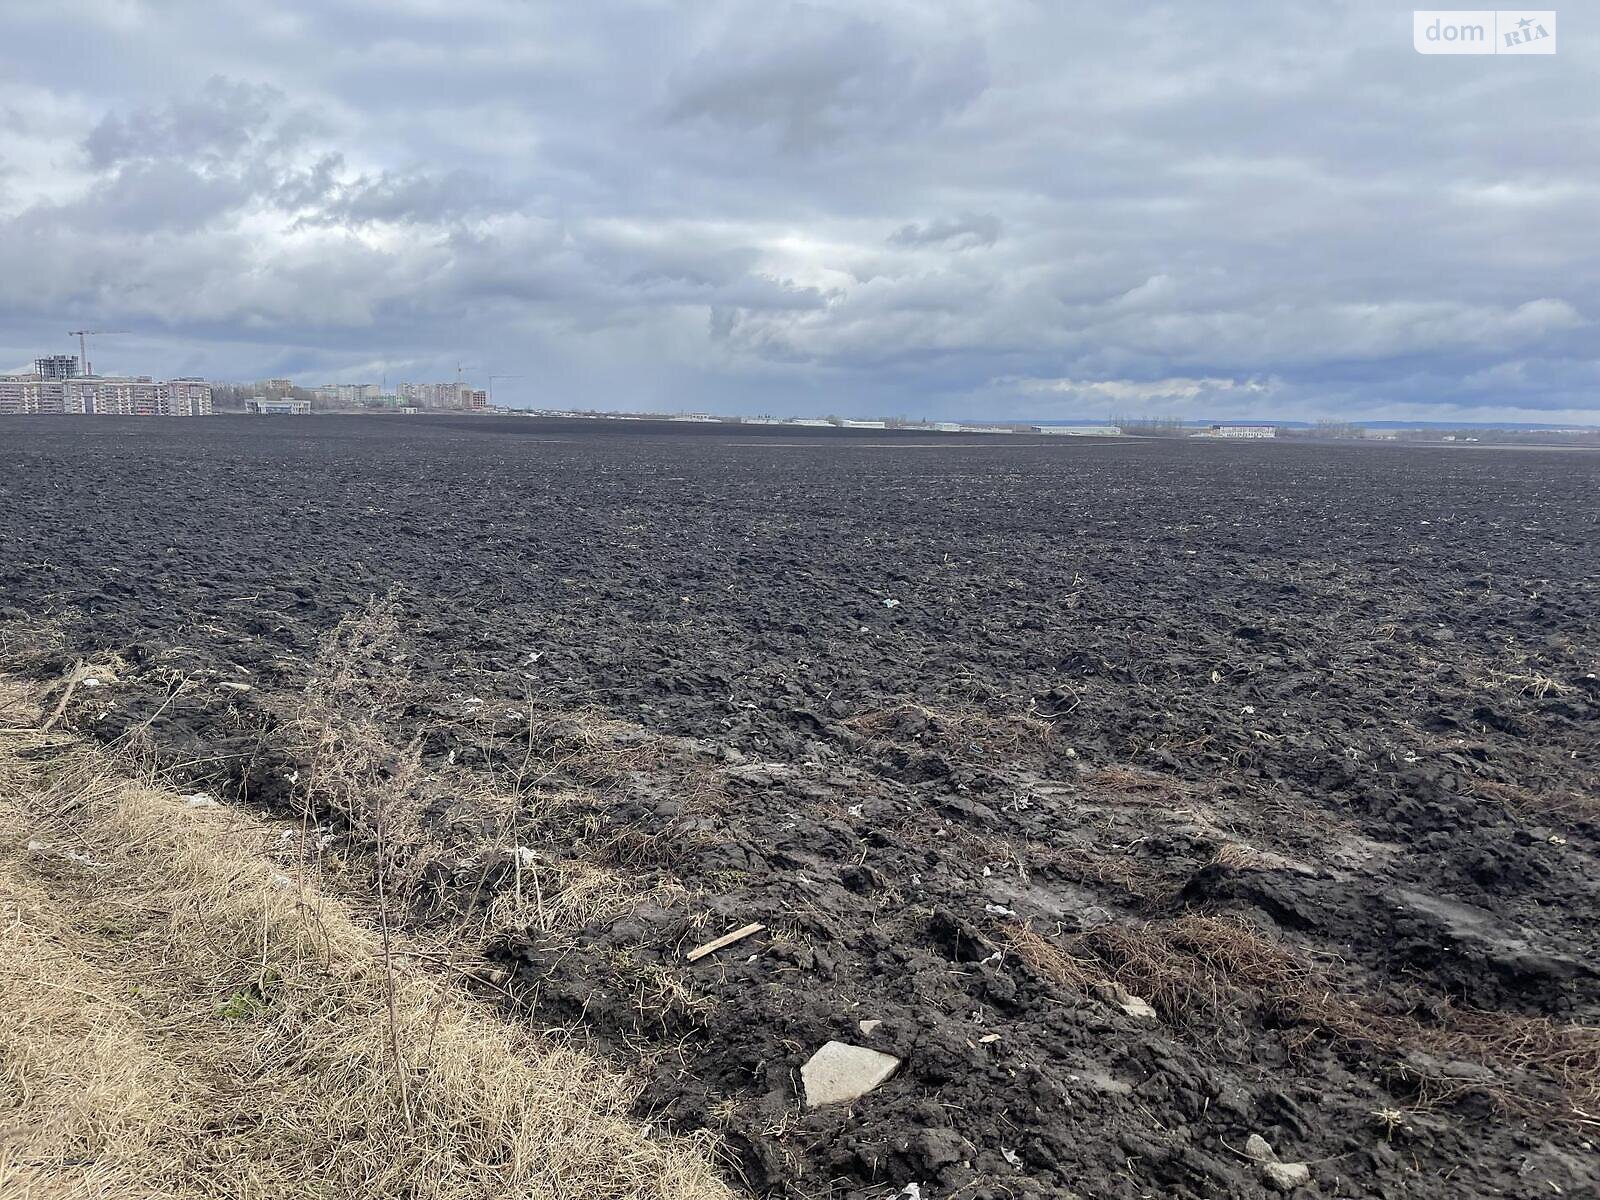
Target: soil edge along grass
181,1015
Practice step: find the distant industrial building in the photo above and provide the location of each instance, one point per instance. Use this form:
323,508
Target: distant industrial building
864,424
284,406
98,395
1079,430
1240,431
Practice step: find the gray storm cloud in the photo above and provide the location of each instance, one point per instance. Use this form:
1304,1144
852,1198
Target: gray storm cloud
960,209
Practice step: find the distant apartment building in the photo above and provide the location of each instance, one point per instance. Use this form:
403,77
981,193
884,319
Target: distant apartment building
354,393
345,395
277,387
187,397
95,395
56,366
31,394
443,396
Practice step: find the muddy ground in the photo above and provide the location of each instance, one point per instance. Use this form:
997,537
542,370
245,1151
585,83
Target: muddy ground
998,738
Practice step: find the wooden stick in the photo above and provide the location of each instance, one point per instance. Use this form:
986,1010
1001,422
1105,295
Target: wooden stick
72,686
726,939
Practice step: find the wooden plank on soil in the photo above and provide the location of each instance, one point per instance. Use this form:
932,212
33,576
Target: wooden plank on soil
726,939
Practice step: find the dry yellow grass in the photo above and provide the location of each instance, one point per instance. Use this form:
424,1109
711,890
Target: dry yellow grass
179,1019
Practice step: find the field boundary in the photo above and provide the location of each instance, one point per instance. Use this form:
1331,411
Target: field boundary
183,1013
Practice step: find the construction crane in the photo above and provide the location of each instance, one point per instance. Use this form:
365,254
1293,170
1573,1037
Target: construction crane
83,348
492,378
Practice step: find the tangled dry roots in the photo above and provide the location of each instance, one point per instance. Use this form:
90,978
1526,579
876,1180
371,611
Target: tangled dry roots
181,1015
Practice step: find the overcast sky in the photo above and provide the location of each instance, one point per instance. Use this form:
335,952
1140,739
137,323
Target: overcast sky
987,208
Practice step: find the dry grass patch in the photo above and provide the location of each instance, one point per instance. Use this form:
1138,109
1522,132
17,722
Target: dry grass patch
1528,805
178,1018
1534,684
1200,972
551,899
962,728
591,747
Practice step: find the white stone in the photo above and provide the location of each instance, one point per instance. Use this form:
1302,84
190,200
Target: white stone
1135,1006
868,1026
839,1072
1286,1176
1258,1148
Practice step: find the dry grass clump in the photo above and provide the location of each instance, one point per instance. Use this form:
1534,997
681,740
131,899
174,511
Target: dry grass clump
177,1018
344,731
1240,856
522,848
551,898
1534,806
1236,856
1530,683
1191,969
28,643
590,747
1086,866
1199,971
962,728
1135,785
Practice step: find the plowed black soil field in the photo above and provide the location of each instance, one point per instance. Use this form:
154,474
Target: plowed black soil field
1149,795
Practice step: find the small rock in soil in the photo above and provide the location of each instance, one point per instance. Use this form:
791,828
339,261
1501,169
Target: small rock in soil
839,1072
1286,1176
